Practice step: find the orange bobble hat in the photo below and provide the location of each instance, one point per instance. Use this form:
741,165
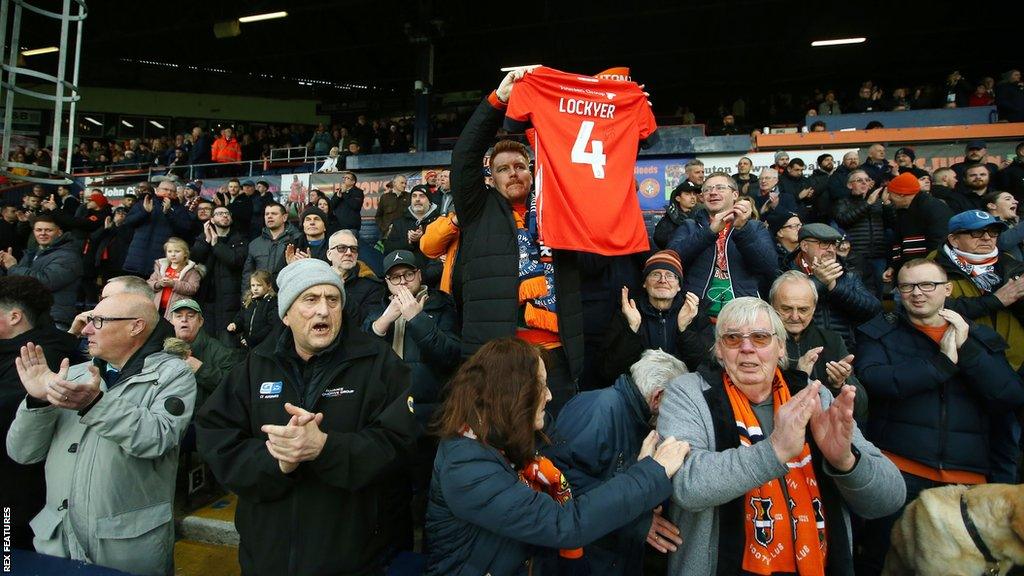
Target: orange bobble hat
905,184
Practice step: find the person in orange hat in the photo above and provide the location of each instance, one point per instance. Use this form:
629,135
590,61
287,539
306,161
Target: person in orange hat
921,221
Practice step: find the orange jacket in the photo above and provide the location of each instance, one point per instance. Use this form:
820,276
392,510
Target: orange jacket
442,238
226,150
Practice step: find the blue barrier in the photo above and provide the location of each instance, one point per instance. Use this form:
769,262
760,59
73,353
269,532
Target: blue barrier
910,118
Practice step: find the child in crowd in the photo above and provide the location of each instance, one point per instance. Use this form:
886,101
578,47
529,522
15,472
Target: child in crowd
175,276
258,317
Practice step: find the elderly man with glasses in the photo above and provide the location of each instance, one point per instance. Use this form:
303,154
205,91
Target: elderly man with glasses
109,431
724,256
362,287
843,301
777,464
941,395
986,284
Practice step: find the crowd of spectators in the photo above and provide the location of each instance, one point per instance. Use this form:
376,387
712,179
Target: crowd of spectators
955,91
794,361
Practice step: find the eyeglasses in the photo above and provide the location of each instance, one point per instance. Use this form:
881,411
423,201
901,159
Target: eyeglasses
990,232
98,321
833,244
403,278
663,276
795,226
759,338
860,180
717,188
926,287
342,248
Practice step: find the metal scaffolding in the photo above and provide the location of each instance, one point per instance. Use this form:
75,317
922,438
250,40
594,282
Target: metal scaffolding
62,93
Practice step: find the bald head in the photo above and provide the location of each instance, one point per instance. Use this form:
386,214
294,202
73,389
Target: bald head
125,323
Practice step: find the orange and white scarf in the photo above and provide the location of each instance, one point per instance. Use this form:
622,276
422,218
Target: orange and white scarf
781,535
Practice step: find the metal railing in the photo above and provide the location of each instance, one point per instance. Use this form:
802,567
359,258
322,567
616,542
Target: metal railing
188,172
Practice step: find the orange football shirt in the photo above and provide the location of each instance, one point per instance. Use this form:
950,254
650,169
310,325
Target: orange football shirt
586,134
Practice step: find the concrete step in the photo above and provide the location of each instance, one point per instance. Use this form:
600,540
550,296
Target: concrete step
211,524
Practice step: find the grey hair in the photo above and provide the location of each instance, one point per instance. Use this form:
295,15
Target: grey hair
853,173
341,233
767,171
692,163
133,285
791,276
654,370
855,154
744,311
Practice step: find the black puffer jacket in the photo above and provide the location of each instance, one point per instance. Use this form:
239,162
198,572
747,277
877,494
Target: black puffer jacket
865,228
843,308
258,321
935,412
362,291
490,290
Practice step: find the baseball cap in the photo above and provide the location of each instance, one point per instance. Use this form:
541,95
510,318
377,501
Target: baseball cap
976,145
686,186
399,258
819,231
974,220
248,183
186,303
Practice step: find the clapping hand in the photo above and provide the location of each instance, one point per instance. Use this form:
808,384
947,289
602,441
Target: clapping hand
688,311
827,271
410,305
630,311
789,435
955,335
7,258
832,430
806,362
301,440
147,203
839,371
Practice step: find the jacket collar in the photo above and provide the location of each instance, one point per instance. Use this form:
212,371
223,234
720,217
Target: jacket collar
350,344
638,407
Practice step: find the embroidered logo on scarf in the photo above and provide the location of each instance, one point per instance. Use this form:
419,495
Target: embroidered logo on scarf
764,524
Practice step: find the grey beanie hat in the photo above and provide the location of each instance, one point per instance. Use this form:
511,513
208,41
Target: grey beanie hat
301,275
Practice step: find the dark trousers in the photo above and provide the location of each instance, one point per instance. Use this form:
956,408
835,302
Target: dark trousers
874,534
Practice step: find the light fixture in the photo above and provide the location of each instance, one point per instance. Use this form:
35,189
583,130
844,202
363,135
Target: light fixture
511,68
259,17
125,123
837,42
157,124
88,119
38,51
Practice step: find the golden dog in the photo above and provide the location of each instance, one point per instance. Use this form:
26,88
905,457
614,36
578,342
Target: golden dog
930,539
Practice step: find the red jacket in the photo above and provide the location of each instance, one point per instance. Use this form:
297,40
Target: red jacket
226,150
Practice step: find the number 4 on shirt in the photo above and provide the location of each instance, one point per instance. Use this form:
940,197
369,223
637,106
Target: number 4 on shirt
596,158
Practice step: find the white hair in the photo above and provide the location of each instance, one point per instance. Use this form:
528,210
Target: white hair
337,235
745,311
654,370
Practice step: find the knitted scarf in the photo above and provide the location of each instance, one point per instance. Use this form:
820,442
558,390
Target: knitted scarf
536,273
980,268
785,529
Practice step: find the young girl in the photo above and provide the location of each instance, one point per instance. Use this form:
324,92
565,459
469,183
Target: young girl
258,317
175,276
